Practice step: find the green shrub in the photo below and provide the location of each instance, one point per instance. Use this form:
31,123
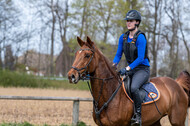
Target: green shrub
63,125
28,124
16,124
16,79
80,123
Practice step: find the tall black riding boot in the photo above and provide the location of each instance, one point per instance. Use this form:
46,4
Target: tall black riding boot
136,119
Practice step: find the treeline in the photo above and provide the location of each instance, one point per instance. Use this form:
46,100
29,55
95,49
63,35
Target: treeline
50,25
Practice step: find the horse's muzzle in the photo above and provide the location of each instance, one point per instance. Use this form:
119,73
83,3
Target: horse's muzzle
73,76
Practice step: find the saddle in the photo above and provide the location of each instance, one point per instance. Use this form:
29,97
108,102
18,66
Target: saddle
148,91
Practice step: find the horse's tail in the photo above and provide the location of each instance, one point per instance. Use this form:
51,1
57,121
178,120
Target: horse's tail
184,81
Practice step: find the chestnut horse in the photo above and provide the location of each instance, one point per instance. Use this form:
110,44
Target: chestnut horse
111,106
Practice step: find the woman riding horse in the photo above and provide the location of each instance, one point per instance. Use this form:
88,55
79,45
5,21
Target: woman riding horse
134,45
111,106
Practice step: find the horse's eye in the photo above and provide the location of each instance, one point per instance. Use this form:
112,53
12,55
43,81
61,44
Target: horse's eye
87,56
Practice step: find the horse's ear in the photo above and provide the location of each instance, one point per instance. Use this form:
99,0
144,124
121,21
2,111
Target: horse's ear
80,42
90,42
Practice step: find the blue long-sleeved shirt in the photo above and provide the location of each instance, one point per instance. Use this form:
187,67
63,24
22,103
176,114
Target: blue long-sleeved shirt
141,47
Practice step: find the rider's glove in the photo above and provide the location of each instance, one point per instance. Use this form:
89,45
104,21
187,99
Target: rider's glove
123,71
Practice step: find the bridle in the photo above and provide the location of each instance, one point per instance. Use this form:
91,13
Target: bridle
83,76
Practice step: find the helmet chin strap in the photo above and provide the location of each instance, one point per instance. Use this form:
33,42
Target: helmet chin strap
133,28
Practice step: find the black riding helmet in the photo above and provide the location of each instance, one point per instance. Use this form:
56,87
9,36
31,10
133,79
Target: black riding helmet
133,15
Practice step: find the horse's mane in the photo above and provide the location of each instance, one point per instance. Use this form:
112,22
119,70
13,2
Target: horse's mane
108,63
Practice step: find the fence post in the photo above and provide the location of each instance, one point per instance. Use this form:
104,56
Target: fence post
187,118
75,112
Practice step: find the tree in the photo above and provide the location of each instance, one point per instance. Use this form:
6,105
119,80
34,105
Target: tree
154,40
8,21
104,14
52,37
9,58
46,12
171,36
185,43
64,60
184,29
87,25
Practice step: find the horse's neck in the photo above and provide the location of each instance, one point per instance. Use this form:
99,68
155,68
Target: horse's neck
102,71
103,68
109,85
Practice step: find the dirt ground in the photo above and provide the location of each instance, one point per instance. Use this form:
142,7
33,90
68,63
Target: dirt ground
46,112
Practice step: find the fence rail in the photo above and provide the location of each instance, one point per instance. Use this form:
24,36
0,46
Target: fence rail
45,98
75,100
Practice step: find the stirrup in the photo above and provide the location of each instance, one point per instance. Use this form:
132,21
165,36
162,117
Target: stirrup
136,120
136,123
133,119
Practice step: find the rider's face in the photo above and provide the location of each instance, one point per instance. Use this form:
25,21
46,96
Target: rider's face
131,24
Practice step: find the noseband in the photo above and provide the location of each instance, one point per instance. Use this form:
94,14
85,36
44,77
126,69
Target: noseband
82,75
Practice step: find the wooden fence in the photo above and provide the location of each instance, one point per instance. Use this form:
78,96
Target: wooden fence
75,100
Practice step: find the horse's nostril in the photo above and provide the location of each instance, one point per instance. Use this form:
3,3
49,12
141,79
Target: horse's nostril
72,76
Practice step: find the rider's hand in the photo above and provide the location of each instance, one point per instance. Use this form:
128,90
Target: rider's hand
123,71
114,64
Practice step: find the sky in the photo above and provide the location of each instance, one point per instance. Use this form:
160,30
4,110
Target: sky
29,21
